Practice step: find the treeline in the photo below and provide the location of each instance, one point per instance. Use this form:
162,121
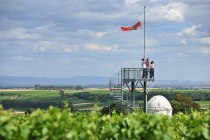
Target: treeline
11,94
87,96
53,87
170,95
195,95
91,96
7,104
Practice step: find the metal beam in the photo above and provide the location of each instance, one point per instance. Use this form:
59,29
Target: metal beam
133,94
145,96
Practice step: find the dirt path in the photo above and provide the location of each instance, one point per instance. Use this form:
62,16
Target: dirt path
16,89
78,104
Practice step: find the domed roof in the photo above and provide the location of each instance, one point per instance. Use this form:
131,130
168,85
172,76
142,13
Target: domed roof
159,104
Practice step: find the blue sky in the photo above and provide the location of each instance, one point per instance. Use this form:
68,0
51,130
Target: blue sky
65,38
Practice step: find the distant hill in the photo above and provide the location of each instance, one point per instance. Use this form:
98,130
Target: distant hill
14,81
180,84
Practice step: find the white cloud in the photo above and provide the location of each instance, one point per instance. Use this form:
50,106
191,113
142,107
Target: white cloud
18,33
131,2
205,40
181,55
184,42
73,48
174,12
44,46
43,28
91,33
96,47
98,34
93,17
205,50
39,49
149,42
191,31
23,58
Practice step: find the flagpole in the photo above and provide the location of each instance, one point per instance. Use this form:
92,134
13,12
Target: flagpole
145,82
144,32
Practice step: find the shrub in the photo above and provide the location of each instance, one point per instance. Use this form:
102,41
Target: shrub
183,104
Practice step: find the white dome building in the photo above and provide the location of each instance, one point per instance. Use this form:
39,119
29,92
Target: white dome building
160,105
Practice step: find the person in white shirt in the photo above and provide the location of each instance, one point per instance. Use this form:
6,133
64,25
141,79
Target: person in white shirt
144,66
152,66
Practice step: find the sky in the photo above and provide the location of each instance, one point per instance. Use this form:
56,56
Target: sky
66,38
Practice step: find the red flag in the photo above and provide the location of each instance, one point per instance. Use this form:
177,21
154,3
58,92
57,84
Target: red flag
134,27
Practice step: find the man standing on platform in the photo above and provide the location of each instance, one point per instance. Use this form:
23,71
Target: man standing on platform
152,66
144,66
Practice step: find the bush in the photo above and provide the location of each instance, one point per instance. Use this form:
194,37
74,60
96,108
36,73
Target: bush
183,104
56,124
118,107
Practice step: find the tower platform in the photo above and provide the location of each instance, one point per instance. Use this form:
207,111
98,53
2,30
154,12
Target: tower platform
127,75
128,78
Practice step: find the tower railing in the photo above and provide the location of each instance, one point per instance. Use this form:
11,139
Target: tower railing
115,81
135,74
131,74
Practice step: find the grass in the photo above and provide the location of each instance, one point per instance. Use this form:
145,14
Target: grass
93,91
99,91
204,104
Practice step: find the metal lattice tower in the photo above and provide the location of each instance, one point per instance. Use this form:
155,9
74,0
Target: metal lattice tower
129,78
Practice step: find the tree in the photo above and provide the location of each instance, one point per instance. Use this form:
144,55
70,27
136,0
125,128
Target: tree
61,92
78,87
183,104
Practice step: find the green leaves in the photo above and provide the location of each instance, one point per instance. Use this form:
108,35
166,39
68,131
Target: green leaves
55,123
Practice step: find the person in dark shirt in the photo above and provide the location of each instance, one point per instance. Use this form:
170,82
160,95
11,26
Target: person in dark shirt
152,66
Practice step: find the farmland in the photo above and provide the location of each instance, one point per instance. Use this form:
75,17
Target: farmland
85,99
46,97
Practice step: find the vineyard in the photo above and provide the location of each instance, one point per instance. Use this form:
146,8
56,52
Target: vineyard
55,123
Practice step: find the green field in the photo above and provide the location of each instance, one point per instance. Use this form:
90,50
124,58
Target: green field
47,96
52,97
204,104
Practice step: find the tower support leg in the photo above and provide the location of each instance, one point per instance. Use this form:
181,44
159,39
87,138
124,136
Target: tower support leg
145,96
133,94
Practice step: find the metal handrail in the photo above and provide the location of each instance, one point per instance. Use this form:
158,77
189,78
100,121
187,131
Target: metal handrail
132,73
128,75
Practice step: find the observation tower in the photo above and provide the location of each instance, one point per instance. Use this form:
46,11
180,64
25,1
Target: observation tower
123,84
